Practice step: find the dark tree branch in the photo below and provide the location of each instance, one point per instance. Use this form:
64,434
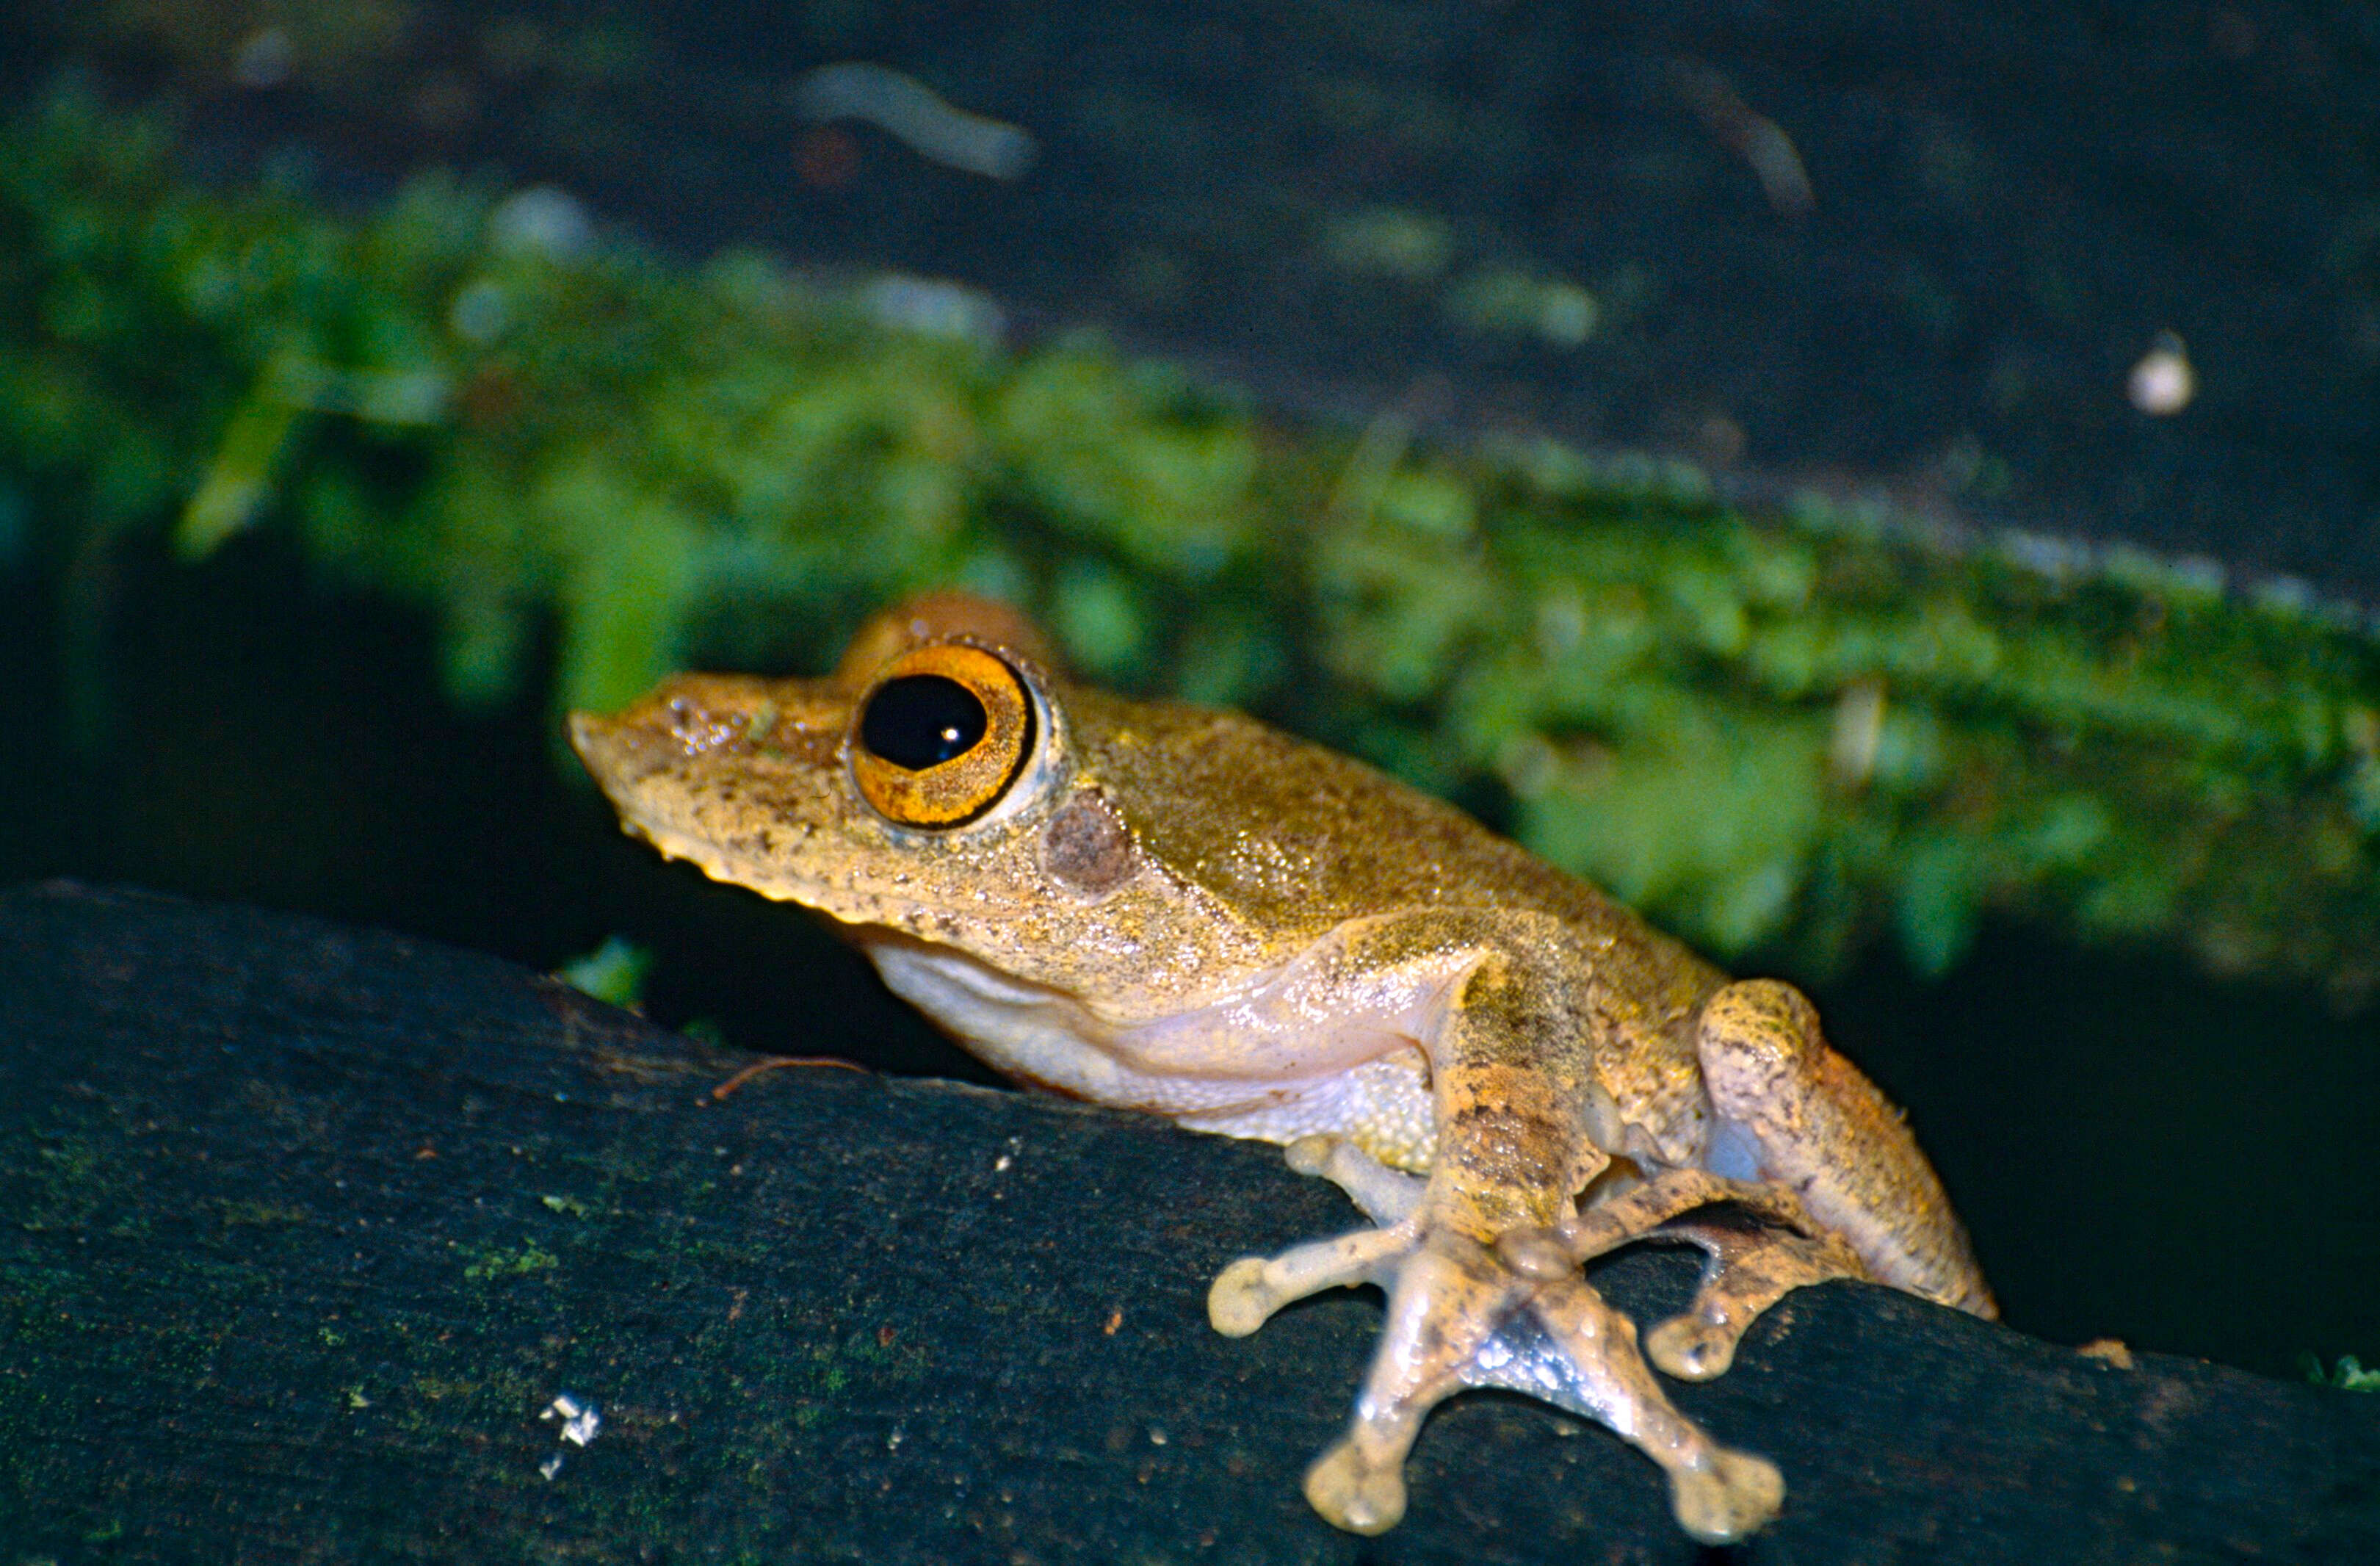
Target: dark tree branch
307,1226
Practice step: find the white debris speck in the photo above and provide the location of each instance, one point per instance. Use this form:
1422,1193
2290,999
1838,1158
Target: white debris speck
1155,1435
580,1419
2163,381
550,1467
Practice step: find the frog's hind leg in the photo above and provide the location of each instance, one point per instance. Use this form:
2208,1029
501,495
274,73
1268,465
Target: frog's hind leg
1750,1269
1811,1123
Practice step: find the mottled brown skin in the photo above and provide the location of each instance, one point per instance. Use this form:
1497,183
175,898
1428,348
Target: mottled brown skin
1180,910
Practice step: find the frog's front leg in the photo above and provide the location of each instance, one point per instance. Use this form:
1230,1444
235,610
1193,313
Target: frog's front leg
1512,1079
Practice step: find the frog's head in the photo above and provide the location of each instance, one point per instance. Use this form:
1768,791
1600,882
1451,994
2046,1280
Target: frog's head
934,785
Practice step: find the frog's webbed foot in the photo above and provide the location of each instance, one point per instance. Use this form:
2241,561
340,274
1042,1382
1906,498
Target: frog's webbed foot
1720,1496
1748,1271
1460,1315
1749,1268
1245,1293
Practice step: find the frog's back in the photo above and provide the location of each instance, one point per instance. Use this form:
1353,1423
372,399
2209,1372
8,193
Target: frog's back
1301,838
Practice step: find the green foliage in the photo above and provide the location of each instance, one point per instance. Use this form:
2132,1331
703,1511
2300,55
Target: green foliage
614,972
2348,1375
1786,733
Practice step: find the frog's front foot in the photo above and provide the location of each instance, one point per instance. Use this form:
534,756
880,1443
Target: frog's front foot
1462,1315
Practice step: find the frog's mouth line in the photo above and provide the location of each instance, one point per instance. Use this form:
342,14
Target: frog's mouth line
848,908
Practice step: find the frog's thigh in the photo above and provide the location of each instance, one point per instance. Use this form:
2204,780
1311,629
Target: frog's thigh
1799,1115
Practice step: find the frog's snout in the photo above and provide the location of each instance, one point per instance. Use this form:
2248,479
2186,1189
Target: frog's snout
619,754
597,740
683,717
691,716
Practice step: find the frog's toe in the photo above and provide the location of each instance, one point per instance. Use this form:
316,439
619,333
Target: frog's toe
1728,1501
1238,1302
1692,1349
1749,1271
1311,1154
1719,1495
1385,1195
1245,1293
1353,1492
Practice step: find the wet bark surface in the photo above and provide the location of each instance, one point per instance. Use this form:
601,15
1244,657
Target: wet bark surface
310,1227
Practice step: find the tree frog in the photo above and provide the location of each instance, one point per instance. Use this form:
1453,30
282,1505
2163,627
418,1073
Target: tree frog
1172,909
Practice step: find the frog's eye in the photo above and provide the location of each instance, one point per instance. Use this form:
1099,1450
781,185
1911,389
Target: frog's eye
942,736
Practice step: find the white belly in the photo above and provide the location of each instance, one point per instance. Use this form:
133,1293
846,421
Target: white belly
1250,1065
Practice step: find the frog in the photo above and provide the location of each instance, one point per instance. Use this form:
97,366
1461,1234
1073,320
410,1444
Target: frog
1180,910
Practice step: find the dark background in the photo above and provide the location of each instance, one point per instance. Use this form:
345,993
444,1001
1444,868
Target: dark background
2011,202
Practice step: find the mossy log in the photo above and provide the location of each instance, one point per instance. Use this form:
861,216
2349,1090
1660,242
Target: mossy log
1773,721
308,1229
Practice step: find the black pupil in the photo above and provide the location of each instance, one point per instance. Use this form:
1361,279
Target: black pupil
921,720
